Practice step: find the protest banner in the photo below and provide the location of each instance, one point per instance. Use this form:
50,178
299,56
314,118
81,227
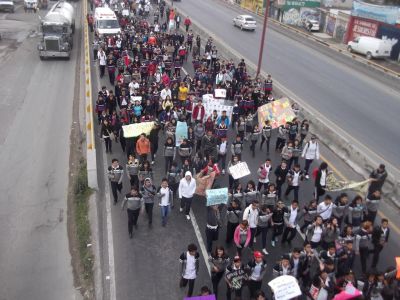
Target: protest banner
220,93
285,287
208,297
133,130
217,196
136,98
278,112
181,132
335,185
239,170
211,104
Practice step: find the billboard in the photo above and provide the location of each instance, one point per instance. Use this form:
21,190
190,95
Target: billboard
382,13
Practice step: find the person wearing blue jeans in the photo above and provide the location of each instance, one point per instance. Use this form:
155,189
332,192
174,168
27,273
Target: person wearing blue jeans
166,200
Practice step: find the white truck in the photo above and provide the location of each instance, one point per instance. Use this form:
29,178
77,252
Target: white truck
106,22
57,28
370,47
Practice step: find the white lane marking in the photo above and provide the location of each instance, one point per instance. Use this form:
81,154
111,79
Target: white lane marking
197,229
200,240
110,241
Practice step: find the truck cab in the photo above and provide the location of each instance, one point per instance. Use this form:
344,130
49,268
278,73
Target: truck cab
57,28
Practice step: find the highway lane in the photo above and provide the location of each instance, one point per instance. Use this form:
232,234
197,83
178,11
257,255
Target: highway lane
153,253
356,102
36,112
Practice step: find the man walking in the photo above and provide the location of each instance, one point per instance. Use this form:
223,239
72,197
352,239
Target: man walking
148,192
133,201
115,175
187,187
102,57
143,147
380,237
190,267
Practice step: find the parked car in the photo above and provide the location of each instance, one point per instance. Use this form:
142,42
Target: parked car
311,23
371,47
245,22
7,5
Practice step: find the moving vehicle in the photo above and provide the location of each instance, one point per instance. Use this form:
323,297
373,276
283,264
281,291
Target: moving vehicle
7,5
31,5
311,23
106,22
371,47
245,22
57,28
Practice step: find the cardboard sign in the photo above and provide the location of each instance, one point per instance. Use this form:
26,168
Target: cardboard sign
279,112
217,196
181,133
285,287
220,93
136,98
133,130
239,170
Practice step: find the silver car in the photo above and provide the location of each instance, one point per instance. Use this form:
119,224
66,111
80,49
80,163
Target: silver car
245,22
7,5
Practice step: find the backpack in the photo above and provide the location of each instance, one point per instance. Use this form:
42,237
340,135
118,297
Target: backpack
315,173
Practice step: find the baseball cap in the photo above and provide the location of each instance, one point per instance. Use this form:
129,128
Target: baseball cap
257,254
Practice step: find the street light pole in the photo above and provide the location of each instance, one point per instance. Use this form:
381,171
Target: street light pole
260,55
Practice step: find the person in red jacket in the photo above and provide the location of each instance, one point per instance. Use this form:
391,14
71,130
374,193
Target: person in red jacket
198,112
143,147
187,23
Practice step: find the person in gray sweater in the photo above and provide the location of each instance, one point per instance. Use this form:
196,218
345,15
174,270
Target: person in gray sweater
340,208
133,201
148,192
372,205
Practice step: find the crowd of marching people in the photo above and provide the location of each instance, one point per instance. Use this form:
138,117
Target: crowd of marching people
144,67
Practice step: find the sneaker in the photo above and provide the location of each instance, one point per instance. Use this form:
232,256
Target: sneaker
130,235
152,162
265,251
273,243
307,176
181,209
254,240
223,172
188,217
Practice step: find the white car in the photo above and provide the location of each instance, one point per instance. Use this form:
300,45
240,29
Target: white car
371,47
245,22
311,24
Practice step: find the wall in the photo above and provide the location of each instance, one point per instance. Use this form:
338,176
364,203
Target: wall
361,27
330,25
343,4
392,33
342,23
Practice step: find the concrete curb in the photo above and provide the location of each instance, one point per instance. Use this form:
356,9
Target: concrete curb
94,227
322,42
356,155
90,141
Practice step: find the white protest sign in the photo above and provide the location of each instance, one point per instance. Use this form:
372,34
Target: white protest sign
136,98
239,170
211,104
217,196
220,93
133,130
285,287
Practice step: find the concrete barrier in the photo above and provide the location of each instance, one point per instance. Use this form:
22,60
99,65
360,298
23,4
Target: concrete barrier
90,140
355,154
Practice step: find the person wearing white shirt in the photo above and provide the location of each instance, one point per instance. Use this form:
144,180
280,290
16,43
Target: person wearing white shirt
291,218
325,208
190,267
251,215
166,198
310,152
102,57
165,92
187,187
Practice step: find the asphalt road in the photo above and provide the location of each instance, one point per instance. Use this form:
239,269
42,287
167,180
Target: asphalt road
147,266
36,112
357,102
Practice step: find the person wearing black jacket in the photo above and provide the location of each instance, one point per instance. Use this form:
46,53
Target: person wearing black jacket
280,172
148,192
320,180
153,137
212,226
380,237
277,221
189,268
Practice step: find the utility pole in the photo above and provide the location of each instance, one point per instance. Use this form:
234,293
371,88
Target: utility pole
260,55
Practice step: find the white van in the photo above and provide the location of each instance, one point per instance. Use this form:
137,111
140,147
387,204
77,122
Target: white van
106,22
371,47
